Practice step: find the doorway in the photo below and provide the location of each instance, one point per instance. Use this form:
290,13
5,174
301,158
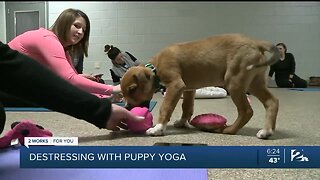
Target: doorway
24,16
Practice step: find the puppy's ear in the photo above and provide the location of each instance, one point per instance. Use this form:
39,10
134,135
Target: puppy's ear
142,77
132,88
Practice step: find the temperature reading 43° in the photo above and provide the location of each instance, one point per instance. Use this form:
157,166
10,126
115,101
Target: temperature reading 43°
274,160
274,155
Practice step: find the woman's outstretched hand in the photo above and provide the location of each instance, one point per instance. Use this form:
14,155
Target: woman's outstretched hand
119,116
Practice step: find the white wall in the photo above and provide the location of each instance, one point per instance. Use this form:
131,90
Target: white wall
143,28
2,22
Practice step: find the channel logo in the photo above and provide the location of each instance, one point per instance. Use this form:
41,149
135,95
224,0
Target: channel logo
298,156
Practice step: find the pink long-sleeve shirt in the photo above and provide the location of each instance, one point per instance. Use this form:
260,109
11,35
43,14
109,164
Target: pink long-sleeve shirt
44,46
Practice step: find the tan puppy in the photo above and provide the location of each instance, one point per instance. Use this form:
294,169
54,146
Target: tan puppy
233,61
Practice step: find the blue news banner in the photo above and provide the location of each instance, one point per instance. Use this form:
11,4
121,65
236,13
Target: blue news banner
170,157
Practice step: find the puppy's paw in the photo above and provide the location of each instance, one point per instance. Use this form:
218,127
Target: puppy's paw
181,123
157,130
229,130
264,133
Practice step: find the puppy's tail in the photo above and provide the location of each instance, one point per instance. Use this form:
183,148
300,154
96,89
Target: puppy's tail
274,55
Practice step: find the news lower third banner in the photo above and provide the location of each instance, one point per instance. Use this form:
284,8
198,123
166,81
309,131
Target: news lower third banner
170,157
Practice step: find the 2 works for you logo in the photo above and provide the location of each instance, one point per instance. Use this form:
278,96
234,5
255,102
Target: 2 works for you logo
49,141
298,156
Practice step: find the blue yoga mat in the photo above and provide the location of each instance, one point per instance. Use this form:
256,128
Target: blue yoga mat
305,89
40,109
27,109
10,170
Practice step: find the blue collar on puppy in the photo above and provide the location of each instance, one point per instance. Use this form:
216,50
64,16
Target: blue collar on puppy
156,82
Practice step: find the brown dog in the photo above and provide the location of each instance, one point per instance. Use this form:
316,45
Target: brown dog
233,61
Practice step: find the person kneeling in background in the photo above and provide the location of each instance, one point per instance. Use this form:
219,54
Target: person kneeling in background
284,70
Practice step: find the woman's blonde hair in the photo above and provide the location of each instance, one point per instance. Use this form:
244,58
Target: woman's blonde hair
61,28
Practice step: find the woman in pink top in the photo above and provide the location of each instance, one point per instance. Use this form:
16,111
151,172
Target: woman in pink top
52,48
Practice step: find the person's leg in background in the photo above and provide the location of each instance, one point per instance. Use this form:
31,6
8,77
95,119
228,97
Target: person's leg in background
298,82
284,83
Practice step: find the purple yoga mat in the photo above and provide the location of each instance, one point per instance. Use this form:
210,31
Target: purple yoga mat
10,162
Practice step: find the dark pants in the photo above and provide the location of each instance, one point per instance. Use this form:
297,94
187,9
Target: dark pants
12,101
2,117
297,82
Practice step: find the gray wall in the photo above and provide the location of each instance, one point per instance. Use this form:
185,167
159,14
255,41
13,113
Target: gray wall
143,28
2,22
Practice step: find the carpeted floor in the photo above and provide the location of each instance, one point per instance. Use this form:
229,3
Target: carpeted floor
297,124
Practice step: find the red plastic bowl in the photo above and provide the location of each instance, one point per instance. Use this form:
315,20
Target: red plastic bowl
208,121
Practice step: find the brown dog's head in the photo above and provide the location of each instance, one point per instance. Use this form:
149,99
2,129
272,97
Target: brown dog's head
137,85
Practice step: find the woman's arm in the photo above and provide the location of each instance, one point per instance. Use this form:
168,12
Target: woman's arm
54,56
271,71
42,86
292,64
45,88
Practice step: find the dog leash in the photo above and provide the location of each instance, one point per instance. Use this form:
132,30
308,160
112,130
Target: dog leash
157,84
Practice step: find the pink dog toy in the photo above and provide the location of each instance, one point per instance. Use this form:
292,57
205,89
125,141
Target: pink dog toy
208,121
141,126
19,130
